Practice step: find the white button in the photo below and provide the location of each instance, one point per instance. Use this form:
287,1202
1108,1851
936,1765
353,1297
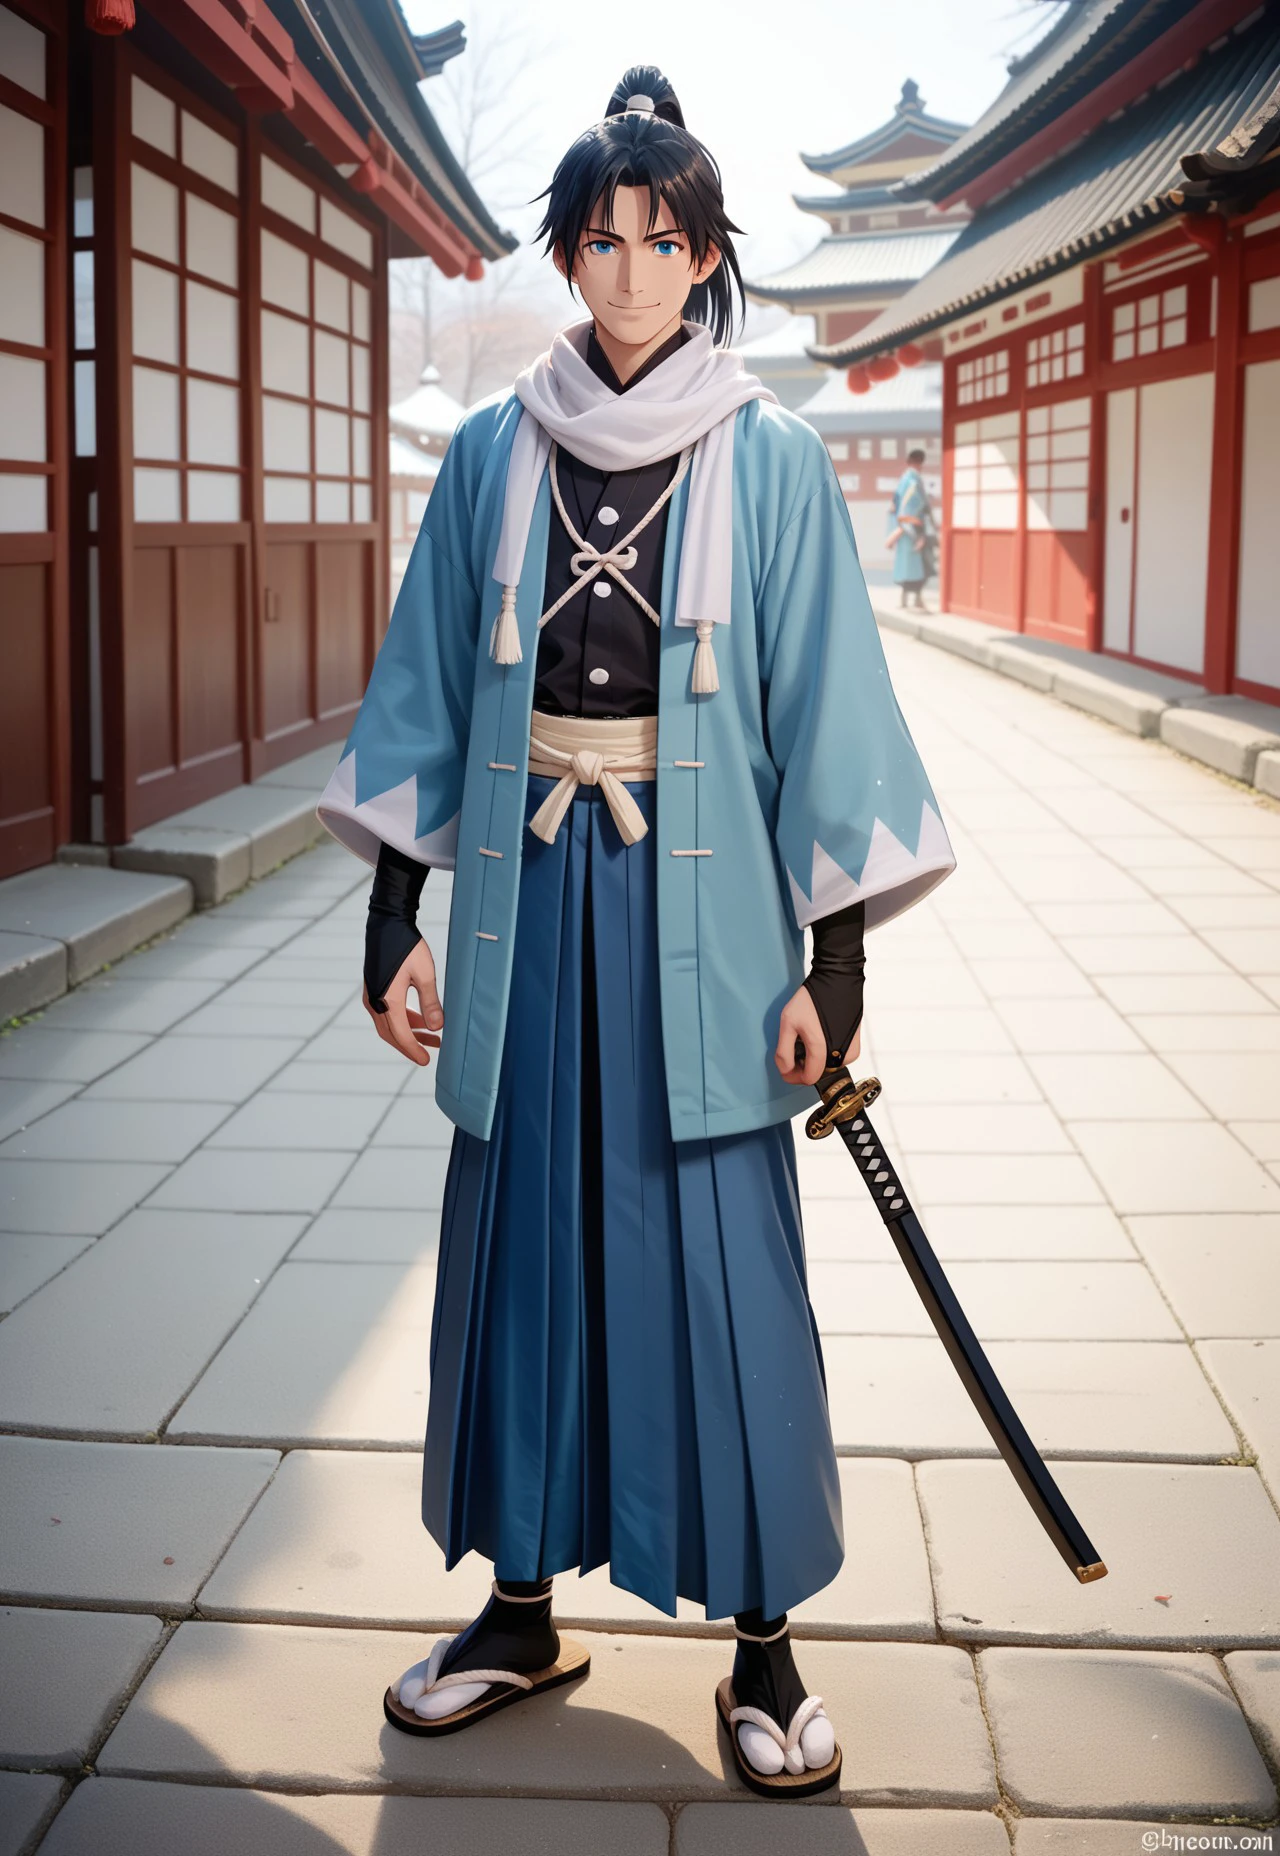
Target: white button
598,676
607,515
602,589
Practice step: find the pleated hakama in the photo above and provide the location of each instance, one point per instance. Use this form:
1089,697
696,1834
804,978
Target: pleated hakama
625,1366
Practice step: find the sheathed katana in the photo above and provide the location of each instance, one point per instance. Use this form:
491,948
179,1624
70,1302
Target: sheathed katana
844,1107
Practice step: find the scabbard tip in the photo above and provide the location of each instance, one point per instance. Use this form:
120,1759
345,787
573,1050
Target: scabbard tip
1095,1571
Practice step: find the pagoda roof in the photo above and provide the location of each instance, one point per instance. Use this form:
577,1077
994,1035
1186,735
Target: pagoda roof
851,262
428,409
909,117
910,403
408,461
1128,176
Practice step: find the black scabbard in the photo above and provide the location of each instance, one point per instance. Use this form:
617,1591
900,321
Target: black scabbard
844,1107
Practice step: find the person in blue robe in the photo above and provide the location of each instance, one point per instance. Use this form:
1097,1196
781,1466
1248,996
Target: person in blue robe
633,697
912,534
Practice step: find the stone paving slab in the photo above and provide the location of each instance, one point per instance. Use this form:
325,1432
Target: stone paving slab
253,1180
338,1539
71,1199
97,914
1006,1300
1127,1400
122,1817
1044,1233
1149,1732
66,1673
1192,1554
1255,1676
1244,1083
37,1053
1174,1167
799,1830
223,1700
27,1802
181,1069
135,1527
103,1131
115,1001
22,1102
1098,1836
1128,1085
360,1237
112,1344
28,1259
1221,1273
396,1179
300,1121
330,1353
1247,1373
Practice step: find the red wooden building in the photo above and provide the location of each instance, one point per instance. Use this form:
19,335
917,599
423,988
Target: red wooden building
1110,326
196,216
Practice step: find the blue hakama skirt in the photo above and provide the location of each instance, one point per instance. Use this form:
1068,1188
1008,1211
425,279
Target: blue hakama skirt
625,1367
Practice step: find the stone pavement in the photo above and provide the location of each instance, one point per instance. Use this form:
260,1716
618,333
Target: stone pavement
213,1378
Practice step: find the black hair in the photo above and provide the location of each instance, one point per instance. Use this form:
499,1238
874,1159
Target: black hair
915,454
631,148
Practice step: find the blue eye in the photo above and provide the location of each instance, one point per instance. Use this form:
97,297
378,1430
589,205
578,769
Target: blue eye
601,247
666,248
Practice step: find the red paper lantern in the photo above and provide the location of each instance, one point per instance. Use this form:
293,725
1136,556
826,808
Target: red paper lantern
110,17
475,268
883,367
859,380
910,355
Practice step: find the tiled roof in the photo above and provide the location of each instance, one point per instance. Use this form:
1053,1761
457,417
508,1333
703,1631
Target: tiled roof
1126,175
852,261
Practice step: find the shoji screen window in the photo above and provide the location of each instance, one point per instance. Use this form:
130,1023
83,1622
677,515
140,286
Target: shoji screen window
1058,466
984,476
25,236
316,360
186,315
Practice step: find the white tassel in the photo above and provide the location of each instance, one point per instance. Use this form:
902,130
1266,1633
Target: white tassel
705,677
504,639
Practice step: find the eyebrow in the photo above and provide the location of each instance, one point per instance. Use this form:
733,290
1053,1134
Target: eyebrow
617,239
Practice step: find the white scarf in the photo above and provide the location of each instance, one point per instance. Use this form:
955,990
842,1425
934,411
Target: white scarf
690,399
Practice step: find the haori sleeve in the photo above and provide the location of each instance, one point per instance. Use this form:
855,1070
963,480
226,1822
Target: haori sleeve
857,820
399,781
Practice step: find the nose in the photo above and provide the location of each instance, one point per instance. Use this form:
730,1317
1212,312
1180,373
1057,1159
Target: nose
624,273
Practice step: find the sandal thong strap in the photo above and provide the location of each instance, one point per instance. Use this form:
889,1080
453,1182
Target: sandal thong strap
457,1678
808,1709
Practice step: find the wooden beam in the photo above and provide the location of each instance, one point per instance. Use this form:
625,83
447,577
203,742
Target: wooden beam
1225,480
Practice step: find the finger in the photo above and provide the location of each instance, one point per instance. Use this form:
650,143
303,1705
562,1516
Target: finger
401,1034
420,1029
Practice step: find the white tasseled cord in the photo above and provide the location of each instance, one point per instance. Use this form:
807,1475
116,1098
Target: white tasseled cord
504,639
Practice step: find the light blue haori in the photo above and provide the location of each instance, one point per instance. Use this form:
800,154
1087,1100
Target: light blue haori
792,790
910,500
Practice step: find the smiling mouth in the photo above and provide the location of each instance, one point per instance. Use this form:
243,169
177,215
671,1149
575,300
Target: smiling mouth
614,305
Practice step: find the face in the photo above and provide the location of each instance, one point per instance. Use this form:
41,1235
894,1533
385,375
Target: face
635,279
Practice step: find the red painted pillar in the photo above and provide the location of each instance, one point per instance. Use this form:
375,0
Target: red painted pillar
1224,495
1095,539
948,483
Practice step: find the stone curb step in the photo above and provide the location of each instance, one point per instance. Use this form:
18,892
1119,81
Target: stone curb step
63,922
1231,734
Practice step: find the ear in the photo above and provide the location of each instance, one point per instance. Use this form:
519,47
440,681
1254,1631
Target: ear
708,264
557,258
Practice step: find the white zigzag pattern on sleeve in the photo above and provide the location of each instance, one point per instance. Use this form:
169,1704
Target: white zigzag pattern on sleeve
890,866
390,817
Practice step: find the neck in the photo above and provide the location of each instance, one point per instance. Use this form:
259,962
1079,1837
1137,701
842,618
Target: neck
625,357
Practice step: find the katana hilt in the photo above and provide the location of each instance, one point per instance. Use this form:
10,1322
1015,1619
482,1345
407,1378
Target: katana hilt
844,1106
842,1099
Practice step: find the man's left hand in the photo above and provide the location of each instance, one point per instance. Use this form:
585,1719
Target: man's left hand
800,1020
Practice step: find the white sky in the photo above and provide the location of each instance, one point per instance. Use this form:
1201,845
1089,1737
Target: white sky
759,81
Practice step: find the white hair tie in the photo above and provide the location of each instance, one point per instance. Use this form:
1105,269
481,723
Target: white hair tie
639,102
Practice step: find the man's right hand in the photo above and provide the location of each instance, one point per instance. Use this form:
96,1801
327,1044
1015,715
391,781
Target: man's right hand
408,1031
